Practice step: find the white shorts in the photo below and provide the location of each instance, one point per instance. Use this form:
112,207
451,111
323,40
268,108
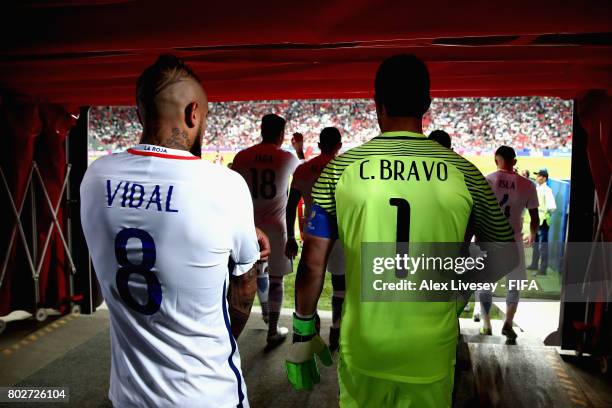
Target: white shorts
519,272
278,263
335,263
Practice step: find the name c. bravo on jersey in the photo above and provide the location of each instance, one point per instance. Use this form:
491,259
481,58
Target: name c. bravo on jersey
405,170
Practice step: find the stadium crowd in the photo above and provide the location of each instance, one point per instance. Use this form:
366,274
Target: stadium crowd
113,128
475,124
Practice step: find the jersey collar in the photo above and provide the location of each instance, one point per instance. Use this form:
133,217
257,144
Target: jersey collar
401,134
162,152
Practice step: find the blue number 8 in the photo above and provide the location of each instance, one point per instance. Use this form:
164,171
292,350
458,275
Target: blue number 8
144,269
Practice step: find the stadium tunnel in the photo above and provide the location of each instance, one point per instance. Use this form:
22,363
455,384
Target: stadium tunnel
58,58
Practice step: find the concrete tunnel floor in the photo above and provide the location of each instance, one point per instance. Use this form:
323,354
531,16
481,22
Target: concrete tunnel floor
74,351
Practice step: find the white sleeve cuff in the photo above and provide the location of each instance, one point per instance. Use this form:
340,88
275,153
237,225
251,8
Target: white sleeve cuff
241,269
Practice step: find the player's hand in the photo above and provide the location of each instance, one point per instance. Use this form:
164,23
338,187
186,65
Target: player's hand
264,244
302,370
529,239
297,141
291,248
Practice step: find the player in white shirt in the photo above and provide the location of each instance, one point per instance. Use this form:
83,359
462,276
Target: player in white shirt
514,193
267,169
165,230
301,186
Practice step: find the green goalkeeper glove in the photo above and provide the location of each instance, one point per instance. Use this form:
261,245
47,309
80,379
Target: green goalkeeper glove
302,370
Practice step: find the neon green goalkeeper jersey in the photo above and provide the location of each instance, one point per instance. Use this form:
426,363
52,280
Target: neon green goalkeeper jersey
361,193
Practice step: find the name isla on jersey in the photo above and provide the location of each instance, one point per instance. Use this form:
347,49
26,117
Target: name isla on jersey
506,184
405,170
128,194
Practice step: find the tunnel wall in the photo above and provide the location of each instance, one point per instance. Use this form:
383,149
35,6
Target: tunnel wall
32,132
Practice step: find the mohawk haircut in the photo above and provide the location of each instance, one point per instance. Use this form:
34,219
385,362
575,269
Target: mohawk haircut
167,70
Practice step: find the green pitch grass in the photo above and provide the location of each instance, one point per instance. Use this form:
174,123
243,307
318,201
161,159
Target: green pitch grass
289,302
558,167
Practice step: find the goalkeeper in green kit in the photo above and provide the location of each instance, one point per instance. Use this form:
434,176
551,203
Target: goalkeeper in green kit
392,354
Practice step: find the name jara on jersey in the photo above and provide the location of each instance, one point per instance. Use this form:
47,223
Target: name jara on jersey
408,170
264,158
128,194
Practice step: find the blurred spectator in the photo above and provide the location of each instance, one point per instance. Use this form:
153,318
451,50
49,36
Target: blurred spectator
530,124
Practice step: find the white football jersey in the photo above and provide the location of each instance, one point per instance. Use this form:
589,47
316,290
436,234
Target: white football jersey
266,169
162,226
514,193
303,179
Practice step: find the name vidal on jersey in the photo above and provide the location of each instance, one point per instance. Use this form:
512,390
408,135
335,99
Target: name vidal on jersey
400,170
135,196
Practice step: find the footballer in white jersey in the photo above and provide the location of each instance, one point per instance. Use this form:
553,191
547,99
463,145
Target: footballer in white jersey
162,226
514,193
267,168
165,231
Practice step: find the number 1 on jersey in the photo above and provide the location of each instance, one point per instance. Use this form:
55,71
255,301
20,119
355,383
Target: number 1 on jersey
402,234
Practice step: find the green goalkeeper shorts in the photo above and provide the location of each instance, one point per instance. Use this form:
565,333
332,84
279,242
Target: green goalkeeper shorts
358,390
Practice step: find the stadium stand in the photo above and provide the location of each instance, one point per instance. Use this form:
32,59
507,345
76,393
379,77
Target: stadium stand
533,125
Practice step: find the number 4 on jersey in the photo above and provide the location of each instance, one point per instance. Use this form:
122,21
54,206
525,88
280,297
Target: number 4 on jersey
504,206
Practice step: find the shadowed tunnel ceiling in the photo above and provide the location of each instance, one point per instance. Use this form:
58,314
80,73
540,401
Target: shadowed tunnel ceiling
91,52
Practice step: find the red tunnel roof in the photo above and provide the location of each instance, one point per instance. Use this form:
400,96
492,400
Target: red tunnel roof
91,52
